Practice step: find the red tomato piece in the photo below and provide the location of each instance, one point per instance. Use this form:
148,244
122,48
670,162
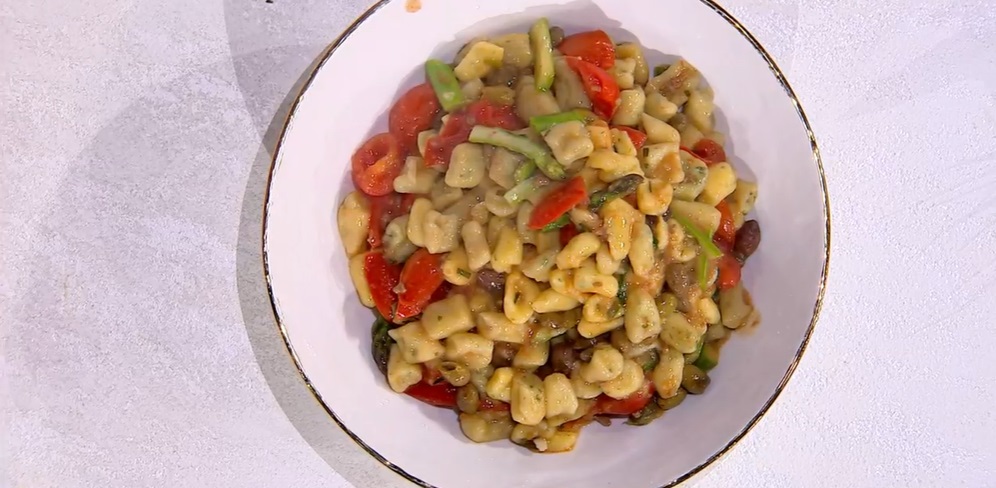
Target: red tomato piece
606,405
414,112
382,276
729,272
421,276
376,163
601,87
594,47
382,211
638,138
558,202
441,293
483,112
726,235
709,151
567,233
441,395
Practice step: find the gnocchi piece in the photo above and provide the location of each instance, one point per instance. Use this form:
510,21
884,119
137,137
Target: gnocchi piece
441,233
559,395
622,71
658,106
358,274
643,321
623,143
415,177
472,89
628,382
606,264
702,215
499,386
476,245
497,327
602,309
400,373
550,300
568,87
583,389
561,441
641,251
538,267
397,247
496,203
699,108
632,50
455,267
416,221
518,49
619,217
530,102
721,182
503,166
611,165
415,344
562,280
508,251
520,294
663,162
569,142
606,364
443,195
709,310
631,103
484,427
681,333
467,166
479,213
482,58
667,374
590,330
528,399
587,279
737,308
473,350
659,131
744,196
448,316
600,135
354,223
679,251
580,248
527,235
532,355
654,196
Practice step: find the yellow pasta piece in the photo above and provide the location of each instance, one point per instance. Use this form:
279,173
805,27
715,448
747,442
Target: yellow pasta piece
602,309
577,250
476,245
699,108
667,373
467,167
473,350
605,365
561,441
527,399
659,131
415,177
744,196
658,106
354,223
681,333
589,329
601,136
619,217
538,267
443,195
641,252
569,142
497,327
484,427
440,233
559,395
562,280
702,215
508,251
583,389
497,204
550,300
520,293
455,267
416,345
416,221
631,103
643,321
400,373
482,58
605,263
587,279
532,355
448,316
499,386
632,50
622,71
709,310
358,275
518,49
720,183
654,196
628,382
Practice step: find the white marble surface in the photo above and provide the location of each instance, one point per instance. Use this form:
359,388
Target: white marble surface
139,348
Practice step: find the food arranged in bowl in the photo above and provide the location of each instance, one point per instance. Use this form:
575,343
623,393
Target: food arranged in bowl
550,234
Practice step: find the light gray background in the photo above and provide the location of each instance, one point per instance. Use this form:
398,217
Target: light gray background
139,349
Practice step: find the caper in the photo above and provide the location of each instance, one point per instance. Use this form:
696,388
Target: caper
674,401
694,379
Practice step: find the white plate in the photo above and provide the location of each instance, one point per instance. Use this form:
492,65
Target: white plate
328,331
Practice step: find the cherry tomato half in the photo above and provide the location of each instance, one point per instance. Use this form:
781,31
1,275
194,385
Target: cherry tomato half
376,164
421,276
558,202
599,85
709,151
382,277
414,112
638,137
594,47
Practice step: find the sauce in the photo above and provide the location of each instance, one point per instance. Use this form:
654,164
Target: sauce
413,5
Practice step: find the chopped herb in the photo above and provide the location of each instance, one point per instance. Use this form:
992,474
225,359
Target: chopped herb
561,221
464,273
380,347
623,285
660,68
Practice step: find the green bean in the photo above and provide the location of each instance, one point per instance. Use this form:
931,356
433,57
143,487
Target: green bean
445,84
617,189
694,380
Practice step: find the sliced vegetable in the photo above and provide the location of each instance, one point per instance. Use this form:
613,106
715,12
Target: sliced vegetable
521,144
567,233
594,47
380,346
383,210
414,112
422,275
439,395
617,189
558,203
526,189
660,68
445,85
606,405
709,151
649,360
543,123
729,272
694,380
383,277
726,235
600,86
703,238
377,163
702,271
539,36
709,357
623,292
524,171
557,224
638,137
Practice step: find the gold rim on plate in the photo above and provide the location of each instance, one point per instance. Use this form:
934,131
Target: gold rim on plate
327,54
